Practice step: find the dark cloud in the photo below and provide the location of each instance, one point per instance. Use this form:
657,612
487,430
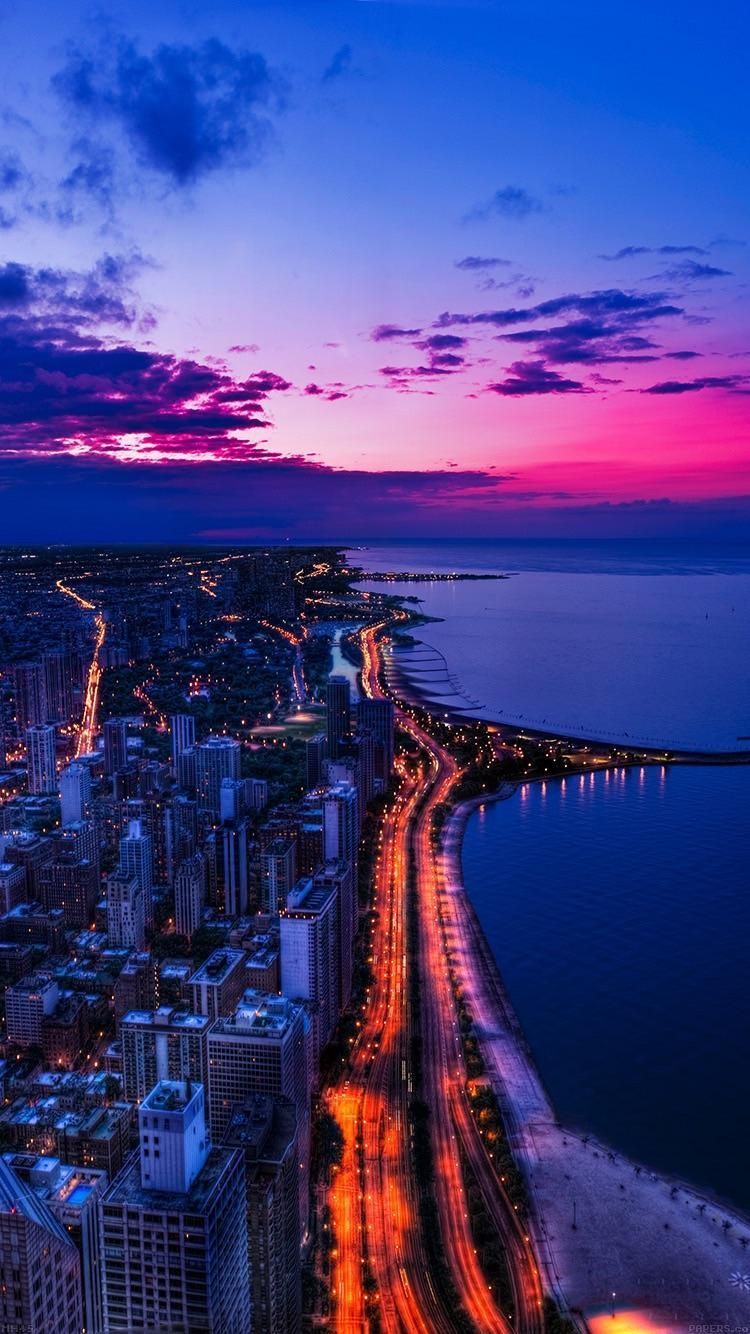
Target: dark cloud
737,383
384,333
60,393
441,341
512,201
472,263
244,347
691,271
341,64
331,393
630,251
101,295
526,378
93,175
12,172
186,110
604,326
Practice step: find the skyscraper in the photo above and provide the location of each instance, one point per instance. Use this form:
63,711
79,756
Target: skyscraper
30,695
162,1044
58,685
338,714
137,860
278,873
315,754
232,867
40,1270
189,894
263,1048
265,1130
215,988
71,1193
377,716
309,946
115,745
40,751
174,1228
126,927
216,758
182,728
75,792
338,876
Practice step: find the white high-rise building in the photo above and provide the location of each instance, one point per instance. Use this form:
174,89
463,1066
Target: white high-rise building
216,758
309,954
75,793
173,1135
40,751
174,1225
137,859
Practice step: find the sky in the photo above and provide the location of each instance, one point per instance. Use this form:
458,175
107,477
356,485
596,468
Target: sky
346,269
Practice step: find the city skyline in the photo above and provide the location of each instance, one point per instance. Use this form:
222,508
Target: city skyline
366,269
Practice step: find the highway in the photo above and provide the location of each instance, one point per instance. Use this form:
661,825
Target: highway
90,716
382,1255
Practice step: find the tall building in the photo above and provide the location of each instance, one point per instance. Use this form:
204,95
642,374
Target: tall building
167,1043
137,860
40,751
263,1048
338,876
377,716
315,754
265,1130
75,792
278,873
338,714
189,894
72,1196
174,1227
58,685
180,833
27,1003
115,745
309,948
40,1269
216,758
30,695
126,924
231,799
341,827
232,867
182,729
215,988
72,884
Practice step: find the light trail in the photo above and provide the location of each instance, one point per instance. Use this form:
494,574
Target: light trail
71,593
375,1202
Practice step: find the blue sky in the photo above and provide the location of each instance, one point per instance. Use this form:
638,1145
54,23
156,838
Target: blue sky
544,207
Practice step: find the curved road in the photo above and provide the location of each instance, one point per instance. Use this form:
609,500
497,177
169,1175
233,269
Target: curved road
382,1256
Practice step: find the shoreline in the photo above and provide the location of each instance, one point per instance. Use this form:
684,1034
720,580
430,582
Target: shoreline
609,1224
413,693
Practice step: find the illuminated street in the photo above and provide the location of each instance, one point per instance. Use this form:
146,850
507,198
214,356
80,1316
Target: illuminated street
381,1242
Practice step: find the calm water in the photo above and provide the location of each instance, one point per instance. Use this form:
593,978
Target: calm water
618,909
612,640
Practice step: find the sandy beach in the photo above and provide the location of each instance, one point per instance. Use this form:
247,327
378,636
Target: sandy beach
612,1235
